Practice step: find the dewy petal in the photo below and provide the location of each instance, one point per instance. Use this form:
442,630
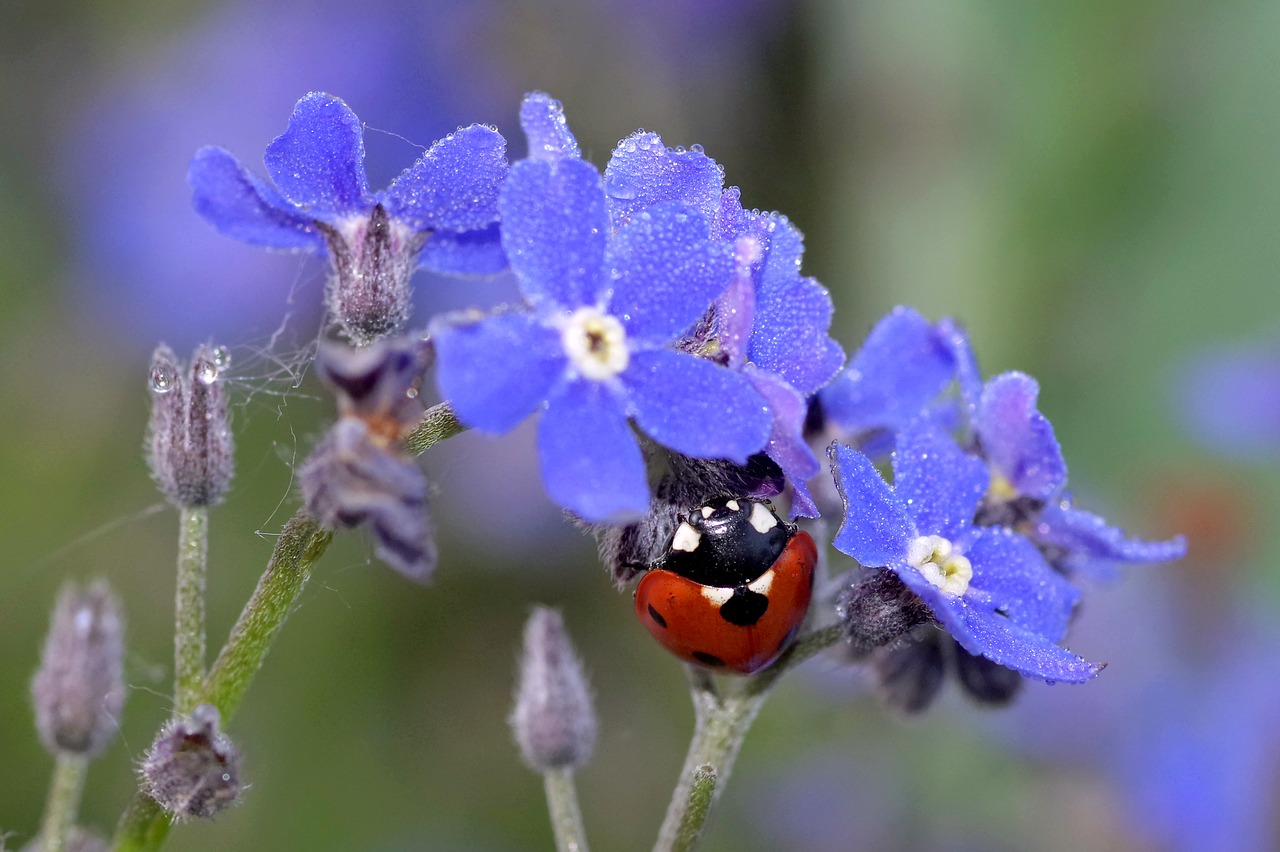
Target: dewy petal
643,172
542,119
454,186
554,230
1015,580
667,273
1087,539
470,253
498,370
696,407
790,336
968,376
939,482
787,446
1017,439
242,205
902,366
876,528
988,634
318,162
591,463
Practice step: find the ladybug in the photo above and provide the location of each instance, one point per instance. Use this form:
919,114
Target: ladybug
733,587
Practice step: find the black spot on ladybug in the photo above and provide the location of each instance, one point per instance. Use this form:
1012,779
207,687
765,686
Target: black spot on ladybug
658,619
708,659
745,608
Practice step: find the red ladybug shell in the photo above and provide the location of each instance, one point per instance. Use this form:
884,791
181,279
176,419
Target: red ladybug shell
686,616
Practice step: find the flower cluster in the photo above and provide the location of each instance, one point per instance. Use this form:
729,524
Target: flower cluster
674,352
977,524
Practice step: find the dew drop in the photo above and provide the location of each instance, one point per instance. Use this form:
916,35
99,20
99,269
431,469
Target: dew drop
221,357
164,378
206,371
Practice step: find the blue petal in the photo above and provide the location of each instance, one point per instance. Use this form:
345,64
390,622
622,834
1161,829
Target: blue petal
790,336
902,365
554,228
498,370
470,253
1012,577
968,376
542,119
876,528
695,407
242,205
454,186
787,446
1088,539
735,310
988,634
591,463
939,482
318,162
1017,439
643,172
667,273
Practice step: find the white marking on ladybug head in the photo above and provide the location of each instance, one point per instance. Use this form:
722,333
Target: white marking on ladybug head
760,585
732,505
686,538
718,595
762,519
707,512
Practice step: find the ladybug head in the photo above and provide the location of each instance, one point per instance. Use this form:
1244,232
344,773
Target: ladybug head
728,541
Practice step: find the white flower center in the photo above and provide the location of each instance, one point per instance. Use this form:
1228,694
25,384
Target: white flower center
596,343
933,556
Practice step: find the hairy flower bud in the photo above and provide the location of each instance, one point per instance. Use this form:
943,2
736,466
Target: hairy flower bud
193,769
553,720
878,610
79,687
189,440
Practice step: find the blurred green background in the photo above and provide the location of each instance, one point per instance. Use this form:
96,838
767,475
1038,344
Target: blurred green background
1093,188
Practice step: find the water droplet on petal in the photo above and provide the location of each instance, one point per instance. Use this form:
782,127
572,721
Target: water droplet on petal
221,357
163,378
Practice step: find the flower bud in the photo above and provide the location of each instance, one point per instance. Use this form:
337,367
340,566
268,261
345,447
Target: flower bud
79,687
879,609
553,721
372,260
189,440
193,769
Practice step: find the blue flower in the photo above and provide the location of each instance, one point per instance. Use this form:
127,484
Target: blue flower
440,213
987,586
1029,476
901,371
594,349
772,323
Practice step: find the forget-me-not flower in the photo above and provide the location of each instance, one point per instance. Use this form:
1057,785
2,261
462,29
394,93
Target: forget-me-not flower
988,587
594,349
440,213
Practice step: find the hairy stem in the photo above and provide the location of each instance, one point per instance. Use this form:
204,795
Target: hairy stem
189,629
566,818
63,804
721,723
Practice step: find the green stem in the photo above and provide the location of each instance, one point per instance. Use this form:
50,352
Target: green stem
189,629
721,723
566,818
145,825
63,803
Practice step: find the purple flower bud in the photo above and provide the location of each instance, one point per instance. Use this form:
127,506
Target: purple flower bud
360,473
189,441
79,687
368,294
193,769
879,609
553,720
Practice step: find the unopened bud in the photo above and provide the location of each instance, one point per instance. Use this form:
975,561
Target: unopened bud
193,769
879,609
553,721
79,687
371,262
189,440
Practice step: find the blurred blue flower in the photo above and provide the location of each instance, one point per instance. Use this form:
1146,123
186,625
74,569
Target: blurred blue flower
145,265
595,350
1230,399
440,213
1028,478
988,586
771,323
